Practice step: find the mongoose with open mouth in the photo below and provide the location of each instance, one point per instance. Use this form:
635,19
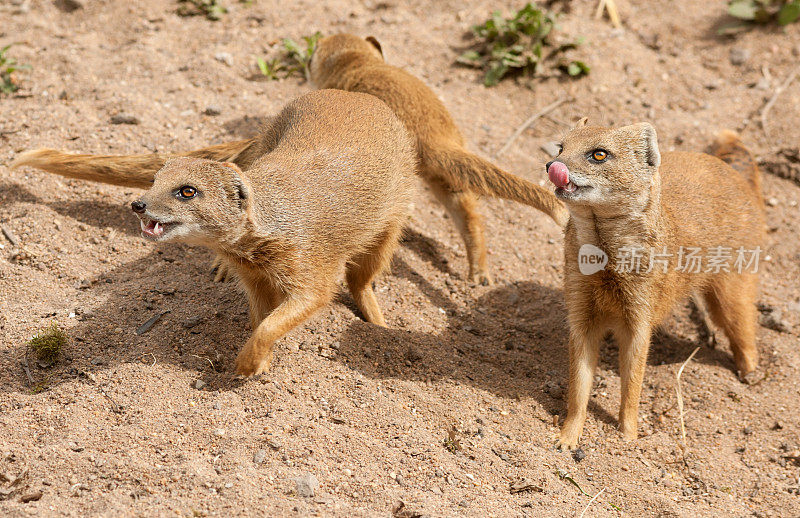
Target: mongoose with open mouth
347,62
455,175
650,215
328,187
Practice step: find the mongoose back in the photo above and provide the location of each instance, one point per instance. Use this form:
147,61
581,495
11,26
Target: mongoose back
327,187
455,175
652,214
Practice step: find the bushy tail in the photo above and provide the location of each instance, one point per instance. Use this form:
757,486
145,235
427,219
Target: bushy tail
124,170
465,170
729,147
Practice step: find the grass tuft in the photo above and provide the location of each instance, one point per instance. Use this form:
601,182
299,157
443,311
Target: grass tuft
46,345
521,45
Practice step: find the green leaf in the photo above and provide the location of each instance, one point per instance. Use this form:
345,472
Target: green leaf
789,13
577,68
262,66
470,58
743,9
495,74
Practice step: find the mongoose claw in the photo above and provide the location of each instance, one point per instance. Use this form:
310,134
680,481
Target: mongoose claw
482,278
221,270
751,378
250,363
567,441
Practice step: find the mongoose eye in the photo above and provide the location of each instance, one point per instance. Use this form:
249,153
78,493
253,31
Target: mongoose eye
598,155
187,192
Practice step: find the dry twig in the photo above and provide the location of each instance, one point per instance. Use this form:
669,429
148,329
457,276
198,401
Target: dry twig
590,502
544,111
778,91
680,394
613,12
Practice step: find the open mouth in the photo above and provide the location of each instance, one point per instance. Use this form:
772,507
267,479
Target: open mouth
152,228
571,189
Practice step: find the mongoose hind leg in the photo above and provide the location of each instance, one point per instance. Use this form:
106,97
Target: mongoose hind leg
256,356
463,208
363,269
731,302
584,348
634,343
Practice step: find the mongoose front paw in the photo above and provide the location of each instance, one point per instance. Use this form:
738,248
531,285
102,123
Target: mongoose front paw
567,440
751,378
221,271
251,363
482,278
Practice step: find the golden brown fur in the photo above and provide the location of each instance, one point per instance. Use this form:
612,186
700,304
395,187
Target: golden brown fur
327,187
639,197
455,175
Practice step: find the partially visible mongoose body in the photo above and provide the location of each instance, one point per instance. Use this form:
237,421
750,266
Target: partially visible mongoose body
629,200
455,175
327,187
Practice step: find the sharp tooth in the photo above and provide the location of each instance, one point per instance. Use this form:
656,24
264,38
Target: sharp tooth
141,224
158,228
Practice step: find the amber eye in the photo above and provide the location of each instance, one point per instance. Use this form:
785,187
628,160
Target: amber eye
187,192
599,155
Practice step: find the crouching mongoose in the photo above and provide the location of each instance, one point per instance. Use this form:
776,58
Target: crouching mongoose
326,187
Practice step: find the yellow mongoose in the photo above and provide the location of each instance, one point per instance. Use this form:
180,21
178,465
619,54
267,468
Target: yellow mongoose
348,62
455,175
326,187
650,216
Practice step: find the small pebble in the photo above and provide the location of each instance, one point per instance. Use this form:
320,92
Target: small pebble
224,57
260,456
213,109
578,455
306,485
199,384
739,56
124,118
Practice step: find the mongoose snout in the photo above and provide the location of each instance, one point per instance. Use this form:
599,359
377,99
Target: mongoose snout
138,206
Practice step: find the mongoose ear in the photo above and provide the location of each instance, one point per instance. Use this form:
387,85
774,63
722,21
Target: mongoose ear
581,123
242,190
650,141
375,43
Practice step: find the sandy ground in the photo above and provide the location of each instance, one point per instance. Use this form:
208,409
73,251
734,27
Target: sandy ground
154,424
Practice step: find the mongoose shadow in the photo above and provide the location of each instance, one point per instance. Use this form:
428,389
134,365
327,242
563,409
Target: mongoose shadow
202,322
247,126
94,213
428,249
508,342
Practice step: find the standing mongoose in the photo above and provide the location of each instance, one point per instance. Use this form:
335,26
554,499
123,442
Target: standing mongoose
455,175
326,187
651,215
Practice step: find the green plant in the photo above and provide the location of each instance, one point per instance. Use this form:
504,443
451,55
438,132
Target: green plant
294,59
270,69
520,44
46,345
749,12
211,9
9,83
298,57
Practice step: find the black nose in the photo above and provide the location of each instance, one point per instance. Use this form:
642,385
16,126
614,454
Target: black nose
138,206
546,166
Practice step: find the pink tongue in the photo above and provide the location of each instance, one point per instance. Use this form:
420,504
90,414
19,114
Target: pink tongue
559,174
